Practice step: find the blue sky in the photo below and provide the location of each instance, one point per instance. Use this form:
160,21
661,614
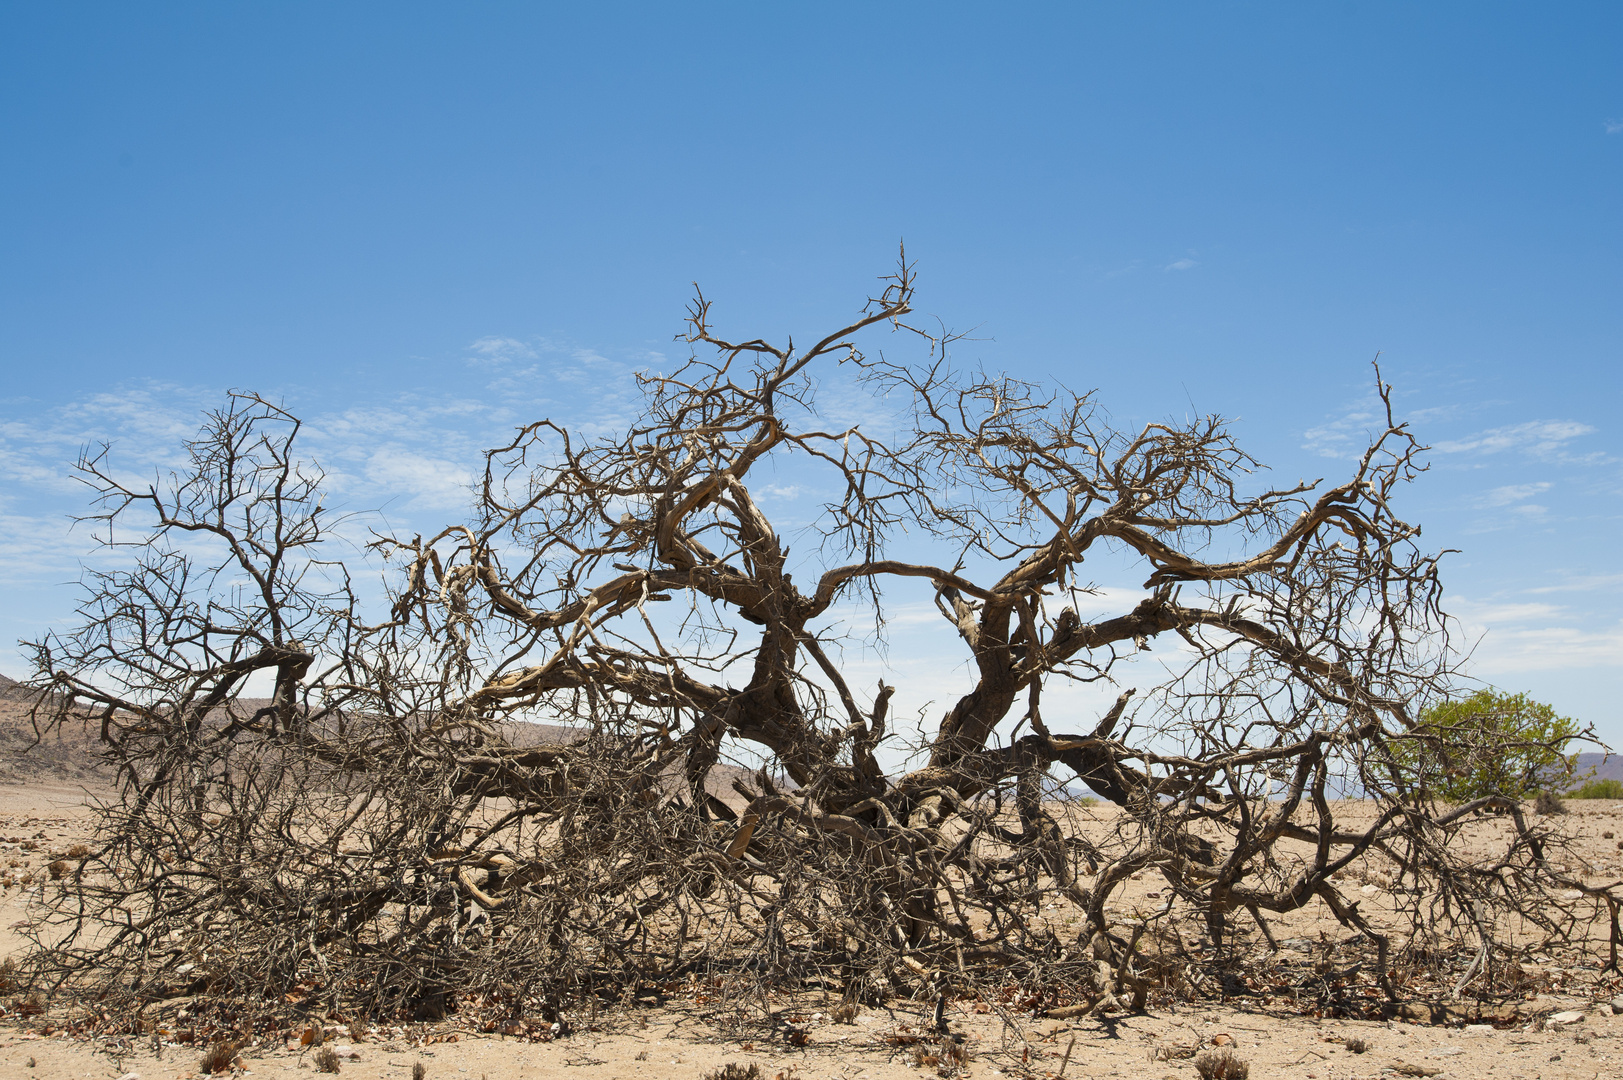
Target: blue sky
421,224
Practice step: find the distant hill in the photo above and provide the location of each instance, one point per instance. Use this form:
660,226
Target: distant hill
68,755
72,753
13,691
1604,766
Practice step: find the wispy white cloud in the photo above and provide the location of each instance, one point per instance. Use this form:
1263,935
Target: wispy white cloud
1540,438
1614,127
1586,584
426,482
546,378
1347,433
1345,436
1509,501
1521,635
1510,494
404,417
35,549
786,492
500,350
148,425
413,455
1547,648
1134,266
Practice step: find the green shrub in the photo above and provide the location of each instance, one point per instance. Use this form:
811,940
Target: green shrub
1598,789
1490,743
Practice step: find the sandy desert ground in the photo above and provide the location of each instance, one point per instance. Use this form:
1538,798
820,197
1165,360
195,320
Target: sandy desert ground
1566,1027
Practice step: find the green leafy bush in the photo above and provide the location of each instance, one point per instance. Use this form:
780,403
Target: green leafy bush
1490,743
1598,789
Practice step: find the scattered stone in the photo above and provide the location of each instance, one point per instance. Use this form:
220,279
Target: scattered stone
1480,1029
1570,1016
1617,1003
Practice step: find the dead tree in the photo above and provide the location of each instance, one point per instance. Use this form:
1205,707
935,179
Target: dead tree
370,832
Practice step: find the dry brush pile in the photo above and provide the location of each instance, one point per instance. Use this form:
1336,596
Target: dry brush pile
366,839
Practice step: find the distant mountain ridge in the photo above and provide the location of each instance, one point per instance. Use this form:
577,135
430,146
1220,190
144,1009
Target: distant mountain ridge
72,753
1598,766
12,690
69,755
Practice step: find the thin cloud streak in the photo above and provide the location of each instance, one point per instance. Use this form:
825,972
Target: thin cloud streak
1541,438
413,456
1512,493
1527,636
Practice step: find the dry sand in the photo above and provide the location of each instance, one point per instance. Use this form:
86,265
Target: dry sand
682,1034
669,1043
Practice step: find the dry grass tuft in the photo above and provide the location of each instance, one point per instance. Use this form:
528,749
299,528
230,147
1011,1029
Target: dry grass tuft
1356,1045
1548,803
734,1071
218,1057
1222,1064
327,1060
